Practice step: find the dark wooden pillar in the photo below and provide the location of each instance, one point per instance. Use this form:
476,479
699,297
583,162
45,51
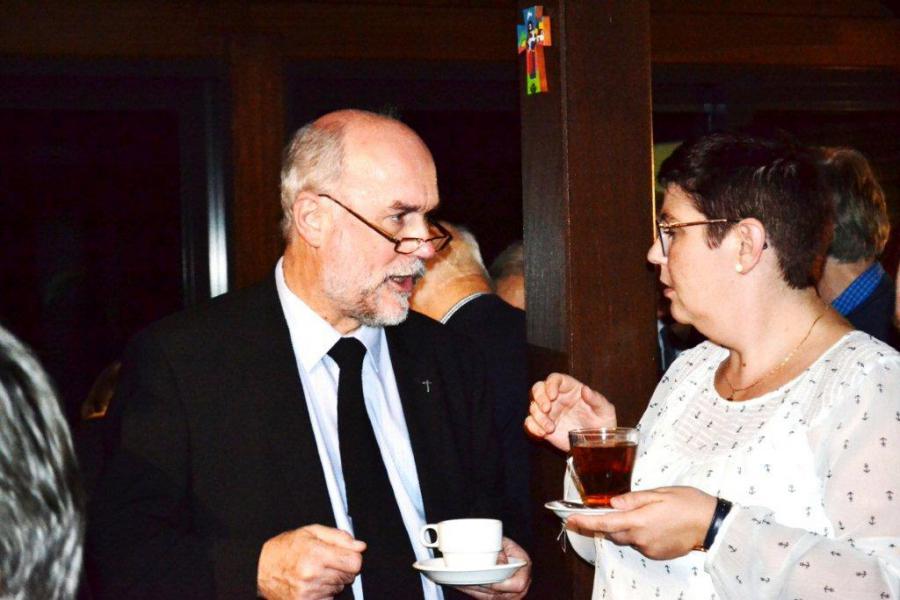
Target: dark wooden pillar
257,87
587,184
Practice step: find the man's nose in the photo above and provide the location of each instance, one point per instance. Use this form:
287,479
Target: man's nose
425,251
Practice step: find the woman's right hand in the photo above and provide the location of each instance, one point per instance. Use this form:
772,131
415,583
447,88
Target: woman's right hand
561,403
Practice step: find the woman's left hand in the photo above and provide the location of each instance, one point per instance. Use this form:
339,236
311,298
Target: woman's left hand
661,524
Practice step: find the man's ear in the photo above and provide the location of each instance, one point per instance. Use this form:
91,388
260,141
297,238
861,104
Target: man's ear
752,238
309,218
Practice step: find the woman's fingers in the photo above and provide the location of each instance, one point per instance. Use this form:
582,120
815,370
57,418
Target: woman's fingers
560,403
661,524
539,396
599,404
552,384
633,500
537,429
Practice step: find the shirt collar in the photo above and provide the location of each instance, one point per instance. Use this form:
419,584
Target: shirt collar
859,290
316,334
459,305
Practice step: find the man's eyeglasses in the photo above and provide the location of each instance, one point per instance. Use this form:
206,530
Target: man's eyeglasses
406,245
665,230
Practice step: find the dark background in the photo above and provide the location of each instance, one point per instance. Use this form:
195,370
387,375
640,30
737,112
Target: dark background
104,201
140,145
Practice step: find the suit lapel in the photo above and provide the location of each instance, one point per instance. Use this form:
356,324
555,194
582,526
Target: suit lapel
286,417
425,408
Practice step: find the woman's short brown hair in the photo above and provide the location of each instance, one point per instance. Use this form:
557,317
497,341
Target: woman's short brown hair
737,176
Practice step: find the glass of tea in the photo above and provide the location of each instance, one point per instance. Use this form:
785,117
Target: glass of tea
602,461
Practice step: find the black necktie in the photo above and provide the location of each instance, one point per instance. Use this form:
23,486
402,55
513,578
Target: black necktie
387,562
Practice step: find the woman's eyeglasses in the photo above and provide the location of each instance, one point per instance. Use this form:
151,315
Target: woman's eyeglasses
664,231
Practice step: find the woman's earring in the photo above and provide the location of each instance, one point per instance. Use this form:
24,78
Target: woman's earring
739,267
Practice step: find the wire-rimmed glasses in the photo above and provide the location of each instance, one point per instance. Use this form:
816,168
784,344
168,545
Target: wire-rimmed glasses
406,245
664,230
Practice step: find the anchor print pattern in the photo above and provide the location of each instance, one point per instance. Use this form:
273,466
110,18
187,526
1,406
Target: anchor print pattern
810,467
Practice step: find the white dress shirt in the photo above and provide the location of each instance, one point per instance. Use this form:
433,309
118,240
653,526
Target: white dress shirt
312,337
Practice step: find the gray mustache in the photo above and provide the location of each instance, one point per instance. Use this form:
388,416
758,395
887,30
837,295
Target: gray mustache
417,272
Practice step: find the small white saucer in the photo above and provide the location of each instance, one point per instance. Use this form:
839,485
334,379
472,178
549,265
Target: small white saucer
435,570
563,511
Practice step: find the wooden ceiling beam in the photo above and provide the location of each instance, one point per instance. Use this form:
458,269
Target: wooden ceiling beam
130,30
805,41
307,30
432,30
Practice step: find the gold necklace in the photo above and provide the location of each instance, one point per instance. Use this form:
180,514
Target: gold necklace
774,370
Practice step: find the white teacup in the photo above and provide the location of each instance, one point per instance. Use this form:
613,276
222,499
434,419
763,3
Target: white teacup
466,543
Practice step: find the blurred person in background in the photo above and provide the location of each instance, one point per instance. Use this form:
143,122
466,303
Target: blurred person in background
897,302
508,273
41,512
853,280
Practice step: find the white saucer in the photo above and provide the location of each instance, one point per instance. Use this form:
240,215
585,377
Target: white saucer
563,511
435,570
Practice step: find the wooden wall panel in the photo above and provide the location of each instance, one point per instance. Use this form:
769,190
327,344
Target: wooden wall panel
142,29
841,42
587,185
760,32
809,33
257,85
121,30
810,8
457,33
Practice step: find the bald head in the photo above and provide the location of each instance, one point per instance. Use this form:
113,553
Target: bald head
322,151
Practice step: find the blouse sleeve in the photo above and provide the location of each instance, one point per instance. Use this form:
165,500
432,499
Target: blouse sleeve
858,443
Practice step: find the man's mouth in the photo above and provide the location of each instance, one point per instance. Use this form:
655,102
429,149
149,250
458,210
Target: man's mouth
405,283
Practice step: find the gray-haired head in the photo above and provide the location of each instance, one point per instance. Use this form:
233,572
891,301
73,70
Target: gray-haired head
41,503
509,262
312,160
508,274
862,225
470,261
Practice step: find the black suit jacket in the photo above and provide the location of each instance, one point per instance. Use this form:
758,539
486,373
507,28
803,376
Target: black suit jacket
875,315
211,450
497,329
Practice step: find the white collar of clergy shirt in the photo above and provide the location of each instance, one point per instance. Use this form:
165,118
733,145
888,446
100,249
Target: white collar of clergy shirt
318,335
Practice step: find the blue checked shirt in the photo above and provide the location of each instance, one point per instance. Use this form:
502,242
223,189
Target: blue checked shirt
857,292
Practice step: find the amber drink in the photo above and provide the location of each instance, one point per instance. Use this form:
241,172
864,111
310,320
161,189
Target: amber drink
602,460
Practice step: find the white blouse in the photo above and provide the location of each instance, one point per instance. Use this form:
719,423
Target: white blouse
813,470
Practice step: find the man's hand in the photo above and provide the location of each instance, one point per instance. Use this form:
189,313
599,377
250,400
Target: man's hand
308,563
509,589
562,403
661,524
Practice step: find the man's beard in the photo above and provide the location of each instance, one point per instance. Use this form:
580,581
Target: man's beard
369,307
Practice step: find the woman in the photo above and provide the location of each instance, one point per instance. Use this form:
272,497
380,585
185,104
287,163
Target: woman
774,445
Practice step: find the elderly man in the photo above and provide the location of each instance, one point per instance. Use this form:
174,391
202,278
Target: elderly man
291,439
853,280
